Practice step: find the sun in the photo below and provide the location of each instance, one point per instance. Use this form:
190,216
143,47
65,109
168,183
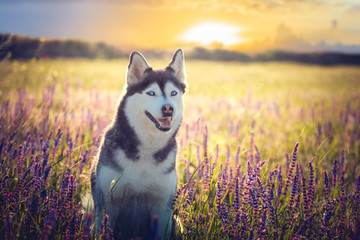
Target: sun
210,32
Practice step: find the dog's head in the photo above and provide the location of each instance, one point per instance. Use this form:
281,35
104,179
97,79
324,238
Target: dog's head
154,98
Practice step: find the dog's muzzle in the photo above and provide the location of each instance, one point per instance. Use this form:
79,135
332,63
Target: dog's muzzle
163,124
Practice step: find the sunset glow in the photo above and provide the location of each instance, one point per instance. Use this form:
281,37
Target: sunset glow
208,33
245,26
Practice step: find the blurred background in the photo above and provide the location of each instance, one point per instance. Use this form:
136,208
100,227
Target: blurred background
248,30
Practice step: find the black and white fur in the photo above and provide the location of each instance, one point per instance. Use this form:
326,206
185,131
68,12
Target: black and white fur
134,177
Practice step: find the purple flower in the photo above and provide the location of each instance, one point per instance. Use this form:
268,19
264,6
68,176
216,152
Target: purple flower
280,182
262,227
293,193
38,178
245,225
235,224
291,168
73,224
222,209
191,190
302,229
326,185
24,194
305,197
218,194
225,179
27,142
311,187
355,210
47,144
52,198
255,205
260,188
199,161
334,172
205,143
9,146
35,205
212,169
224,217
232,182
329,131
180,191
57,139
20,184
63,192
206,182
49,224
86,229
236,203
8,228
4,182
269,199
248,183
342,202
2,145
20,162
329,207
70,192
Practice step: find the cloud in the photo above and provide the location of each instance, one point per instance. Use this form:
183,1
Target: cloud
338,47
193,4
243,6
285,39
240,6
354,9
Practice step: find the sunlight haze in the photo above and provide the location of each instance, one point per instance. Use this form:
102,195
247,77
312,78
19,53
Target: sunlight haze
208,33
248,26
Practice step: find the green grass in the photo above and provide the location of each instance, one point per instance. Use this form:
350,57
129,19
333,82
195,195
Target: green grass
280,103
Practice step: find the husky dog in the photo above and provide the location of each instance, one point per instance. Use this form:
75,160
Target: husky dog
134,177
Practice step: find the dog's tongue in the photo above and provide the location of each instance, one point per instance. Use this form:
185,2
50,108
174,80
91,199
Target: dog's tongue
165,122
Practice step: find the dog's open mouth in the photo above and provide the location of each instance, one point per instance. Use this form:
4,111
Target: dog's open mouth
163,124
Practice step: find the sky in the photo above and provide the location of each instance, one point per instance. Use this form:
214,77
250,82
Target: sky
244,25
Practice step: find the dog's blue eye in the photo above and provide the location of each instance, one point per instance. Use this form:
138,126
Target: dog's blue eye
151,93
173,93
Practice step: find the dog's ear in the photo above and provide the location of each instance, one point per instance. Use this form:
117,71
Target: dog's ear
177,66
137,68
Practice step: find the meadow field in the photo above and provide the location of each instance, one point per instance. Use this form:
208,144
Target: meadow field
266,150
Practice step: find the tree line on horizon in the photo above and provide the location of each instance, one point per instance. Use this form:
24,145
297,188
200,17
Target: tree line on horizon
17,47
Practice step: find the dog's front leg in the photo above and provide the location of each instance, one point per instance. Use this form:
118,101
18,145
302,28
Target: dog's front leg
164,221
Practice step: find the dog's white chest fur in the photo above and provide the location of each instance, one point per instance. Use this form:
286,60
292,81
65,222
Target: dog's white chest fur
143,176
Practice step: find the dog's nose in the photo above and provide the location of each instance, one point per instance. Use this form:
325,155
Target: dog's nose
167,110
